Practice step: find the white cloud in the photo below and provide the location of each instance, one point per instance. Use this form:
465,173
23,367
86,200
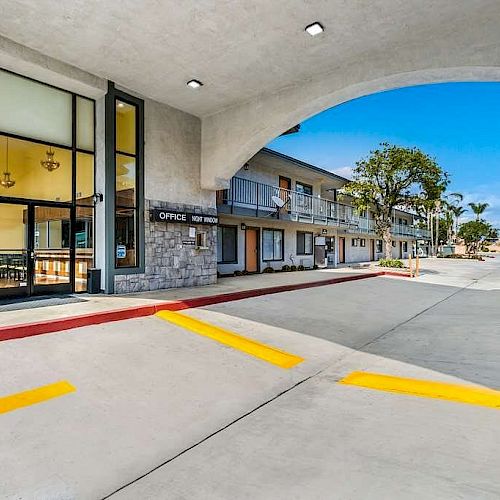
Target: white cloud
344,172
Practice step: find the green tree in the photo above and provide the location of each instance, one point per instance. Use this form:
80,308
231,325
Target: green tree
474,233
392,177
478,208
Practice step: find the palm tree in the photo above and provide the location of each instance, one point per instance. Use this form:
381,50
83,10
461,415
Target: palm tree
457,211
478,208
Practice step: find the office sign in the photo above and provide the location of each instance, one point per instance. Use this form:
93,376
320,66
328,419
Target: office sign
161,215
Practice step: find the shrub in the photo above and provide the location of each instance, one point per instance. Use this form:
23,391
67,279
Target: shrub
285,268
245,273
390,263
268,269
293,268
238,273
315,267
301,268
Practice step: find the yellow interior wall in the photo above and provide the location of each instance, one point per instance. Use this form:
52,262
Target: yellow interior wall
84,175
125,142
12,229
32,180
125,129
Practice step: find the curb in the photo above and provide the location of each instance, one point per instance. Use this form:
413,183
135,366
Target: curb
11,332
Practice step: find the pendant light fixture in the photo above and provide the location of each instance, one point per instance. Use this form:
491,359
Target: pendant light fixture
6,181
50,163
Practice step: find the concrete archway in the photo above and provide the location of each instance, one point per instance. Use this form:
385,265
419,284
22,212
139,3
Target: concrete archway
232,137
244,130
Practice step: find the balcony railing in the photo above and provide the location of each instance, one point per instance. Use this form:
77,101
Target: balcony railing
367,226
246,197
255,199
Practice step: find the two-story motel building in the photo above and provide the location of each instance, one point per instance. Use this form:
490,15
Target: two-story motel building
93,175
282,211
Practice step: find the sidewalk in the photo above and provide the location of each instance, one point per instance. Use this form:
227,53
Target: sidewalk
84,304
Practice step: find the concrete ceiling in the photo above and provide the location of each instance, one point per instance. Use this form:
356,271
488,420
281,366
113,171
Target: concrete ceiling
240,49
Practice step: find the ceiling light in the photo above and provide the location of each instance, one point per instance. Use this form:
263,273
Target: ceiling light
7,181
315,29
120,104
50,162
194,84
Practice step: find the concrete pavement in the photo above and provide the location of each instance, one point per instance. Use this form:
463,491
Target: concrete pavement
150,393
91,304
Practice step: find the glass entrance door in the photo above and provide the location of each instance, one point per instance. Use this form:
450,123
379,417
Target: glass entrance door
50,229
14,279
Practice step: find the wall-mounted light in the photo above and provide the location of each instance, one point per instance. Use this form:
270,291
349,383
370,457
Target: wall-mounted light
97,198
246,166
243,226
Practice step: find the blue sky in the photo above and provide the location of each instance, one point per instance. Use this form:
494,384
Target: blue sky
456,123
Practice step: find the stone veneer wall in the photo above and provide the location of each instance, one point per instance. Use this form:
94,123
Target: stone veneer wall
169,263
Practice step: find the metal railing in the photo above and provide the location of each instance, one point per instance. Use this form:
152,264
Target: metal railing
247,197
367,226
244,194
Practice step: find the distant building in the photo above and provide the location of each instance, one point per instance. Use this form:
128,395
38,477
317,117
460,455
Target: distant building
282,211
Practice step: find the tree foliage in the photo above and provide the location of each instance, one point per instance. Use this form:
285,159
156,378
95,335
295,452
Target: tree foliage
393,177
475,232
478,208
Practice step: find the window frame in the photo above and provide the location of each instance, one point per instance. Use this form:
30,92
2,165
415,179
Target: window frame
304,185
228,226
112,95
303,233
274,230
74,203
118,97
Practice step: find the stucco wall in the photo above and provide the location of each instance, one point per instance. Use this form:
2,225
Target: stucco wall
172,156
290,239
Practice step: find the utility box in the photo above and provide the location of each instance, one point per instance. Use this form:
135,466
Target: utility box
93,280
448,250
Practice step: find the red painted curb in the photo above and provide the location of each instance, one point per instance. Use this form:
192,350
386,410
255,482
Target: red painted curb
12,332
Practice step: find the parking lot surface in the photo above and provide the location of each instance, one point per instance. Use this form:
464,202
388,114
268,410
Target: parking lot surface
194,408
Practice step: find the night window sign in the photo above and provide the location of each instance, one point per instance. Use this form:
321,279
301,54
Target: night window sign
160,215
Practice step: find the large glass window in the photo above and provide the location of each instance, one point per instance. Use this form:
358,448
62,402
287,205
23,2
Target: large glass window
84,245
84,124
126,216
304,243
32,109
42,159
40,172
272,244
227,244
13,245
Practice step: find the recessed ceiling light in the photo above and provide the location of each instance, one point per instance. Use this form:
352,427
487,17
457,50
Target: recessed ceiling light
194,84
315,29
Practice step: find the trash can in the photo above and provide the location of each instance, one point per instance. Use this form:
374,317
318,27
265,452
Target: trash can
93,280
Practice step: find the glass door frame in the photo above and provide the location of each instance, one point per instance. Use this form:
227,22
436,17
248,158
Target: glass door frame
45,289
19,291
31,288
